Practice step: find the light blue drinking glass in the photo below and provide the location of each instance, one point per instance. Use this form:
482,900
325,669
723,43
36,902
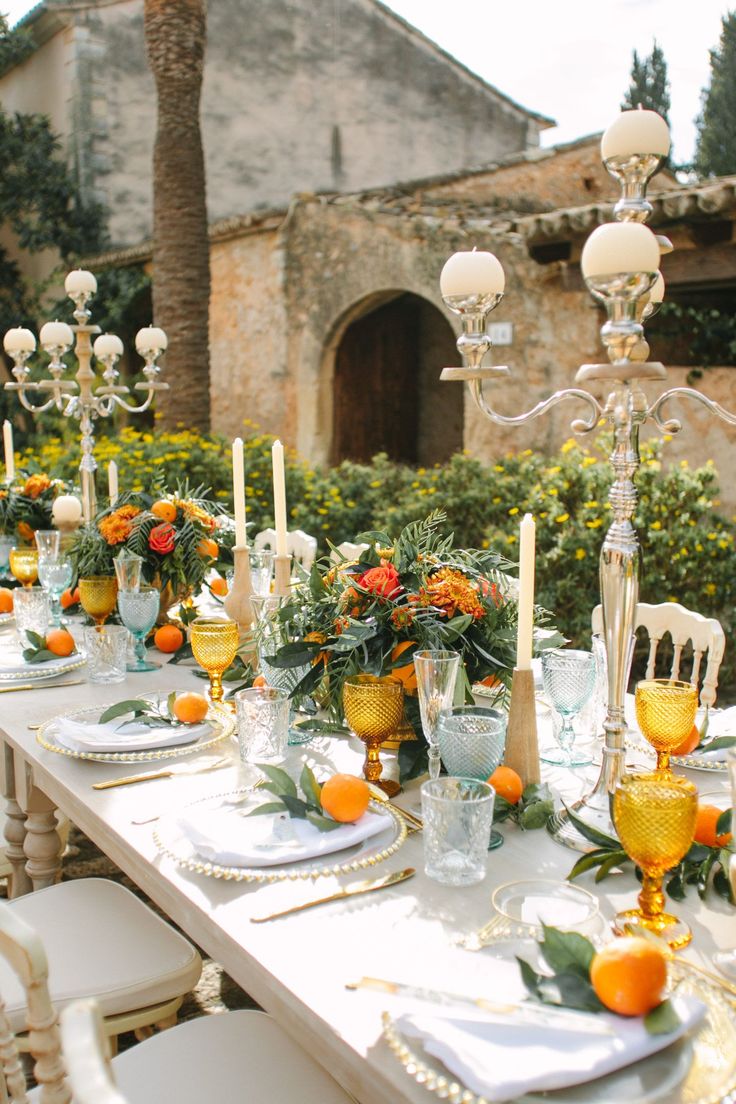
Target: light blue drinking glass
55,575
138,611
471,740
568,677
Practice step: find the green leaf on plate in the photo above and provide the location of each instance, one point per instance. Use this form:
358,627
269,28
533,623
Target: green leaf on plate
310,787
35,639
133,705
325,824
280,781
43,656
567,952
295,806
723,824
570,990
718,743
262,810
662,1020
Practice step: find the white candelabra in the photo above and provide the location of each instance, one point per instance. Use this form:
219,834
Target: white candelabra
620,264
80,398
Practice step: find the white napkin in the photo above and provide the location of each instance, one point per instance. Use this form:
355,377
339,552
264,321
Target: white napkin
79,736
503,1061
13,663
227,837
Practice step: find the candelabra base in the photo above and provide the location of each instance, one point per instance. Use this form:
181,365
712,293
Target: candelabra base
595,810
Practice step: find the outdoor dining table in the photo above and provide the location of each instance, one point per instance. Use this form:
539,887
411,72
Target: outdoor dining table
297,967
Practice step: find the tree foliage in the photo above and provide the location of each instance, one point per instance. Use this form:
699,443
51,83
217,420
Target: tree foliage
650,86
715,153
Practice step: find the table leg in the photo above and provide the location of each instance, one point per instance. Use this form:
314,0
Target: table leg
42,844
15,828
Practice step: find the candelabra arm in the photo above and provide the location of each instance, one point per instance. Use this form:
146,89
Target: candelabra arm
580,425
673,425
23,388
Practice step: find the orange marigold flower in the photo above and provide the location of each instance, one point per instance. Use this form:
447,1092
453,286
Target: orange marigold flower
35,485
452,592
341,623
117,526
402,618
195,513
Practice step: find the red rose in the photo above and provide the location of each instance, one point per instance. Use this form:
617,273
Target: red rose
162,538
383,580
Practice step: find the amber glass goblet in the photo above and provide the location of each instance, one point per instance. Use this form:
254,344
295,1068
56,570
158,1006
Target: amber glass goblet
214,643
98,596
665,710
374,707
654,814
24,564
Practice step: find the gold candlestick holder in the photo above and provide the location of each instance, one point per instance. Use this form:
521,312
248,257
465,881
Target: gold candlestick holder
282,575
522,751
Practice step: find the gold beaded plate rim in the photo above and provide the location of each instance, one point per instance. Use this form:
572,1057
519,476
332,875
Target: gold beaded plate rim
221,720
34,672
699,762
171,843
711,1076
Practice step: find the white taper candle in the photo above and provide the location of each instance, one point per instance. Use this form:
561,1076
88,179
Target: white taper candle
279,497
525,628
9,453
112,482
239,493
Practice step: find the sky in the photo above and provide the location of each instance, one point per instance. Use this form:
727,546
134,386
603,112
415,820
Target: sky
570,60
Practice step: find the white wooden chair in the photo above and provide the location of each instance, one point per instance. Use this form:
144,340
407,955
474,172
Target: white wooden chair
683,625
226,1057
346,550
298,544
103,942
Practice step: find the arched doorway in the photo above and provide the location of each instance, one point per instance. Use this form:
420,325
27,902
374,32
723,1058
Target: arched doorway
387,394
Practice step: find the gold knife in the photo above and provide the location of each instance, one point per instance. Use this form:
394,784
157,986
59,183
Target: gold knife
45,686
167,772
351,890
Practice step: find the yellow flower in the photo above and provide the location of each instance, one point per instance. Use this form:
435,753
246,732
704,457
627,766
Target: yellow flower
569,444
562,518
710,588
514,510
656,525
580,553
594,524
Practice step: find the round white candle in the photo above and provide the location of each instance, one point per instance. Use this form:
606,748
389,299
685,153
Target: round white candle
472,273
151,339
56,333
112,482
279,497
79,281
620,247
656,295
66,510
525,628
239,493
107,345
636,131
9,452
19,340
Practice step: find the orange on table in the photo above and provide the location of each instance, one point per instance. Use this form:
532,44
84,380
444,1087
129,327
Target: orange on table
629,976
6,600
190,708
260,680
168,638
164,509
208,547
507,784
705,827
60,642
69,597
689,744
219,586
345,797
407,674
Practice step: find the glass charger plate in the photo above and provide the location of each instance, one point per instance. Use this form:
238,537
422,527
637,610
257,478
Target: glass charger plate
537,901
172,842
38,672
221,722
700,1069
699,762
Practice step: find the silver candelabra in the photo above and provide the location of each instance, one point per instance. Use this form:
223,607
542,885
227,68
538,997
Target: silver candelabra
626,297
80,398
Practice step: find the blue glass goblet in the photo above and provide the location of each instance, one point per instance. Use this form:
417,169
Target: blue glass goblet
138,611
55,575
568,677
471,741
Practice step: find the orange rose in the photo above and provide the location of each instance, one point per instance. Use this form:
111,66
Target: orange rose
162,538
382,581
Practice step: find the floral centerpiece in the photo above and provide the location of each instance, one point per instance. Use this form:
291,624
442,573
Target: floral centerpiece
27,503
404,595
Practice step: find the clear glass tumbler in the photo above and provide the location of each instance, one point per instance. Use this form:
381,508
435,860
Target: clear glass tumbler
31,608
457,815
48,542
436,676
263,723
106,647
270,636
138,611
55,575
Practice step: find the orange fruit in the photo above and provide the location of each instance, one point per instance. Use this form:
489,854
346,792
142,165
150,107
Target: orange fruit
219,586
260,680
69,597
60,642
345,797
190,708
6,600
705,827
507,784
164,509
406,675
690,742
168,638
208,547
490,681
629,976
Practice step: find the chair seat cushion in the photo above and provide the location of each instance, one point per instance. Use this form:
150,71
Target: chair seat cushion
229,1057
101,941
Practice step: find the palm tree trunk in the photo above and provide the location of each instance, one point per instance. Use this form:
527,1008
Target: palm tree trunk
176,32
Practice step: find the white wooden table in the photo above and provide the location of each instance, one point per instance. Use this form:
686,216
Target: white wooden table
296,967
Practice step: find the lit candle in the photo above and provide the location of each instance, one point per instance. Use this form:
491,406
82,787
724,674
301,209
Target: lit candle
80,281
279,496
151,339
112,482
56,334
525,626
239,493
620,247
472,273
9,453
107,345
19,340
636,131
66,511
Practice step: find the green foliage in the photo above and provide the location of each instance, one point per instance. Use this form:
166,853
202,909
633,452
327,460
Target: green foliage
650,86
715,154
707,335
15,45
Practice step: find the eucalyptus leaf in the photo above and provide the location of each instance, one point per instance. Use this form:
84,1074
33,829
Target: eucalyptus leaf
662,1020
35,639
314,724
536,814
567,952
170,703
325,824
530,977
262,810
278,778
502,809
718,743
295,806
600,839
132,705
412,759
310,786
723,824
570,990
612,862
587,862
39,657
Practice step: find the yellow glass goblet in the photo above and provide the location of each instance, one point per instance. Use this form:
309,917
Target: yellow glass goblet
374,707
24,564
98,596
665,711
214,643
654,814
